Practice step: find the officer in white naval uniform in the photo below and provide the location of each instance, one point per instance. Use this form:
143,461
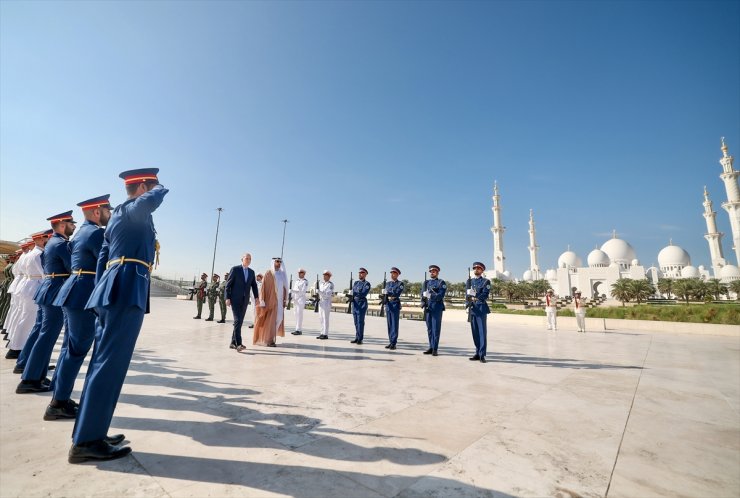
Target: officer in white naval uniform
299,291
551,310
326,292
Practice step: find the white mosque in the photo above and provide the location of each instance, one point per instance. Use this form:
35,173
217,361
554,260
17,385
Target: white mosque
616,258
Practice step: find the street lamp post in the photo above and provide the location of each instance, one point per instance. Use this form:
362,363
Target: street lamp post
213,264
285,225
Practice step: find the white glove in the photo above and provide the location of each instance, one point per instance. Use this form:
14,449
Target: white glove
384,292
427,294
471,292
350,293
262,303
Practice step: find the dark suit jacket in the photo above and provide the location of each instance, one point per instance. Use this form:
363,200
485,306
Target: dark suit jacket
237,288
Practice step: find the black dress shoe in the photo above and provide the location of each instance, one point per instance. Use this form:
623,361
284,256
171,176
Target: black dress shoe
232,346
221,321
388,346
434,353
482,360
209,319
297,332
429,351
32,386
474,358
18,370
51,367
196,317
323,337
359,342
393,346
12,354
353,341
114,439
96,450
251,326
66,410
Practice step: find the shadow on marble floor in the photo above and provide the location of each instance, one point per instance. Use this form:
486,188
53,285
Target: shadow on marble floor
555,362
293,480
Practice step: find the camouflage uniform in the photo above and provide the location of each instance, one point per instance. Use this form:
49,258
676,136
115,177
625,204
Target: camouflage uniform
212,295
200,295
222,298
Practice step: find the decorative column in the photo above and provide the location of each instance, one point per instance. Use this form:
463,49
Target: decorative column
714,238
498,232
533,247
732,206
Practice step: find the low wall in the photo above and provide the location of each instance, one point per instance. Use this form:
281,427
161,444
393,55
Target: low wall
604,324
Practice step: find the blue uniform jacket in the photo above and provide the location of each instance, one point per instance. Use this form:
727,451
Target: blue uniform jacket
394,290
437,288
85,250
481,286
130,233
360,290
57,260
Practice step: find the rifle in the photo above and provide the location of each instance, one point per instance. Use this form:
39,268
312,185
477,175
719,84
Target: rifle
350,297
424,300
290,291
468,299
316,299
383,297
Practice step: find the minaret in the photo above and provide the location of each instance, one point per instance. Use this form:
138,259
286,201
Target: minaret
714,238
732,206
533,247
498,232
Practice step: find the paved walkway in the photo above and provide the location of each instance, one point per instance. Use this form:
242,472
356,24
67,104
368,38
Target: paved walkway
618,414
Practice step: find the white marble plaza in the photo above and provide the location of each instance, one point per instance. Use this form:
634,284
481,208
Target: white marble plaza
619,414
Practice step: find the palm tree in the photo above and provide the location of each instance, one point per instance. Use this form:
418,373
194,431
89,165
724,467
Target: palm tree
716,288
621,290
700,290
735,287
540,287
683,288
665,286
641,290
496,286
509,290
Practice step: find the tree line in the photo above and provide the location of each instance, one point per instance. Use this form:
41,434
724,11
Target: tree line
686,289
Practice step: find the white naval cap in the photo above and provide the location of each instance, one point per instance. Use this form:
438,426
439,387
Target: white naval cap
327,272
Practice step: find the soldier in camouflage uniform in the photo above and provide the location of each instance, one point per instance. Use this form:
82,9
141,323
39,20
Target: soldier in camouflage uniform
200,294
212,295
222,298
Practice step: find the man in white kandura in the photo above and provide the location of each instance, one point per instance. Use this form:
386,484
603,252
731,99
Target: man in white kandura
326,292
580,310
299,291
551,310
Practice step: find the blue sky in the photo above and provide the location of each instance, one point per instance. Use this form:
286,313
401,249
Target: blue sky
376,128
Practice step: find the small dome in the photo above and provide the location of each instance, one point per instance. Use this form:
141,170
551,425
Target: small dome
635,262
507,275
701,268
689,272
618,250
673,256
597,257
729,272
569,259
551,274
527,275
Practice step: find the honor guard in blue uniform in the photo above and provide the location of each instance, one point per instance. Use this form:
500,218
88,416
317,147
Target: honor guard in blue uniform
120,298
434,293
392,293
477,297
20,363
57,267
358,294
72,297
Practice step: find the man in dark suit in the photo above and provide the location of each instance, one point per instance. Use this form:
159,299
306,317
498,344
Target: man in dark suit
241,279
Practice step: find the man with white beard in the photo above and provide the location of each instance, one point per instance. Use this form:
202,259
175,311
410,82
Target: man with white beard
34,272
270,315
299,291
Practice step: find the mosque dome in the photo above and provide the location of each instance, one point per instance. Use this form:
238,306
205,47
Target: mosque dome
527,275
551,274
729,272
635,262
689,272
569,259
673,256
701,268
618,250
597,257
507,275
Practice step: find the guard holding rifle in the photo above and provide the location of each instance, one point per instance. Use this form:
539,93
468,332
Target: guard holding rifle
477,296
222,298
392,297
200,294
434,294
212,295
358,295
